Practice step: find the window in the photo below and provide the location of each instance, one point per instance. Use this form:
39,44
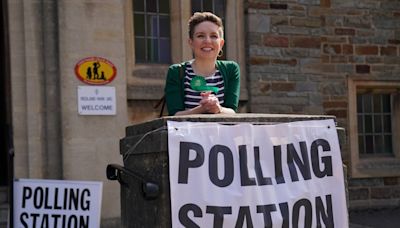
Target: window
374,128
152,31
215,6
374,124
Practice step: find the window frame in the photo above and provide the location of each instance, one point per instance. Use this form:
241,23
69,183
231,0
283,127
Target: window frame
373,166
381,114
147,36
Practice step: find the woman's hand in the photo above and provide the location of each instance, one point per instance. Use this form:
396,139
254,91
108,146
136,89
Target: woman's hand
210,103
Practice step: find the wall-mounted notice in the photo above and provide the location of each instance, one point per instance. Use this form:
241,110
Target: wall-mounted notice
96,100
95,71
57,203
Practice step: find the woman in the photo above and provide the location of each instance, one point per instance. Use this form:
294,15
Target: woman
220,93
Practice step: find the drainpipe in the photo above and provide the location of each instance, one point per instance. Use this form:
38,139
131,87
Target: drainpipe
10,154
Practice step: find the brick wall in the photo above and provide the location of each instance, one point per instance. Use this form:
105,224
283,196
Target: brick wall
300,54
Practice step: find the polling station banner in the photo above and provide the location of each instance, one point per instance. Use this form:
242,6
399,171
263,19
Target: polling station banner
57,203
244,175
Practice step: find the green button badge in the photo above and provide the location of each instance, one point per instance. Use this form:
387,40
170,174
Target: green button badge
199,83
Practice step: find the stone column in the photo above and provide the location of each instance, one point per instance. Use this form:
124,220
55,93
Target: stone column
89,143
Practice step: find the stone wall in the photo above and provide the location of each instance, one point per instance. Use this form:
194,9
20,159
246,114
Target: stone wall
374,193
51,139
301,54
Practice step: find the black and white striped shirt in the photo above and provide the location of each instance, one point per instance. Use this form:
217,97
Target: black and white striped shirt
192,97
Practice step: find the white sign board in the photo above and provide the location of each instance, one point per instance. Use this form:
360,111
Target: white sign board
96,100
56,203
244,175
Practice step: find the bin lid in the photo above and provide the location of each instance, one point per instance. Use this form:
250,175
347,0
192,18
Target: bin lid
151,136
255,118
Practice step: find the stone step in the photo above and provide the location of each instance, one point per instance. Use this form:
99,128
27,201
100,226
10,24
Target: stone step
3,215
3,206
3,195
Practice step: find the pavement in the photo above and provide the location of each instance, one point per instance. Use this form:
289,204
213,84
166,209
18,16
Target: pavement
383,218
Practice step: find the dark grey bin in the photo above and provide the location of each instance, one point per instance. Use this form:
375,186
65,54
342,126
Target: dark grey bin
145,192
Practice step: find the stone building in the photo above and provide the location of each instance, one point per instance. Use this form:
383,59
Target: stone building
335,57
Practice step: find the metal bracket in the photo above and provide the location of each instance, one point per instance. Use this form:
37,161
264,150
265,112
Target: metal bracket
150,189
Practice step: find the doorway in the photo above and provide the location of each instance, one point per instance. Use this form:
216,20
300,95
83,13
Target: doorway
5,98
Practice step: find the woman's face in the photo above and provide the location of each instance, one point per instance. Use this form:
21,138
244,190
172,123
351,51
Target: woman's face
207,41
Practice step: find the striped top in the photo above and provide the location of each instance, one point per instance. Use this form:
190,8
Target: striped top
192,97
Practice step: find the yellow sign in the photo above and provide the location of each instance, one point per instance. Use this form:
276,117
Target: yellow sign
95,71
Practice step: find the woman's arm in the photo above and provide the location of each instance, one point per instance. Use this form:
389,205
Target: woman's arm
232,90
209,103
173,90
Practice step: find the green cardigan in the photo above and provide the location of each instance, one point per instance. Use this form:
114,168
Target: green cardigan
174,86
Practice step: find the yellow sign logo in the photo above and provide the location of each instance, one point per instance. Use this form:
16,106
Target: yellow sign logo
95,71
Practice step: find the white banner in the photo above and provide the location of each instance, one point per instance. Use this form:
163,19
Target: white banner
57,203
247,175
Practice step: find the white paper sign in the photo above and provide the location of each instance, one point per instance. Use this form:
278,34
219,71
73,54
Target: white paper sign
248,175
57,203
96,100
